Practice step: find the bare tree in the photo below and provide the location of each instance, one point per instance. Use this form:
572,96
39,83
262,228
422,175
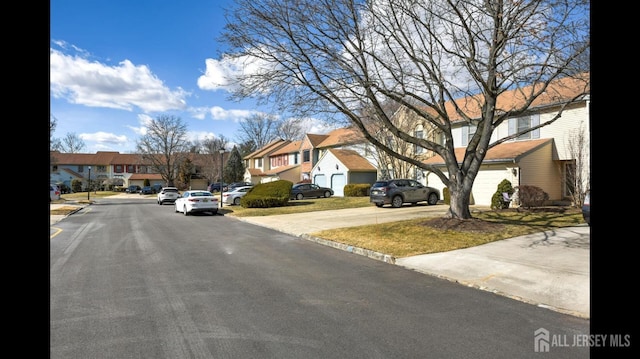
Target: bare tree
54,143
165,146
260,129
578,173
339,56
72,143
292,129
212,161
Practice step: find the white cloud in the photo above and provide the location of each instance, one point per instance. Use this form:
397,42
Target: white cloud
219,113
104,140
125,86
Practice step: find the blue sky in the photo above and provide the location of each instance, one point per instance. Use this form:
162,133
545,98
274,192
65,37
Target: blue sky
114,65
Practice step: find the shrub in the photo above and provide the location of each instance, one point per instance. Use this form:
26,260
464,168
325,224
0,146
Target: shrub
357,190
532,196
266,195
497,200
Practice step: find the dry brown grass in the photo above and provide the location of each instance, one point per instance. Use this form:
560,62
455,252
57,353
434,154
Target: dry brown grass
433,235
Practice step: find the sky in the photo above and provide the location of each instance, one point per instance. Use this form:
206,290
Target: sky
117,64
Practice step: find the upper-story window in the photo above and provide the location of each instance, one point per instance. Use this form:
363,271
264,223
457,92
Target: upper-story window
81,168
306,156
524,123
258,162
296,158
131,168
417,149
467,134
102,168
118,168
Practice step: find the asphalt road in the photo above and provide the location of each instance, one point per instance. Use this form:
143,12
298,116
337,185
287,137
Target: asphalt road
129,278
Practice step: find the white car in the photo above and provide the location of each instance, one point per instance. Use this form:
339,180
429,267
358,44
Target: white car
233,196
196,201
168,194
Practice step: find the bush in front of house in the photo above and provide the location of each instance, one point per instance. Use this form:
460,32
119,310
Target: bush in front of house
266,195
357,189
497,200
532,196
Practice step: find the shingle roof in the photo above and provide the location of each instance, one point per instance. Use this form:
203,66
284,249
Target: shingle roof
504,152
290,148
342,136
557,92
267,149
352,160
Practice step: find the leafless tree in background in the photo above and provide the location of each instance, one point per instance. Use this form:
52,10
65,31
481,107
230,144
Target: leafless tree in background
165,146
259,129
337,57
212,166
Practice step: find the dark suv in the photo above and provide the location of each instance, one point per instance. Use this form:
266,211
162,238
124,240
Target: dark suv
400,190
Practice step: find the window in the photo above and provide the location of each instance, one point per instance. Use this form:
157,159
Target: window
102,168
417,149
306,156
118,168
296,158
467,133
524,123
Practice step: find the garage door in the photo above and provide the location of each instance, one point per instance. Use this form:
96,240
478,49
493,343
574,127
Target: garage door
320,180
338,181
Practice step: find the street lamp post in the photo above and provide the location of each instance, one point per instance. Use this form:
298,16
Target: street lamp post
89,185
221,173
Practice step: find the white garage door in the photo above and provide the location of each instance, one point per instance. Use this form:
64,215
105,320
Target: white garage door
320,180
338,181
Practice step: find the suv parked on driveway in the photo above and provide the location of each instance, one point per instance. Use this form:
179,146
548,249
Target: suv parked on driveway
398,191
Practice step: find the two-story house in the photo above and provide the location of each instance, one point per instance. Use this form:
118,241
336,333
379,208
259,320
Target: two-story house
547,157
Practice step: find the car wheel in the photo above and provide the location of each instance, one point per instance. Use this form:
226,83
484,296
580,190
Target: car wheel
432,199
327,194
160,203
379,204
185,211
396,202
236,201
214,212
299,196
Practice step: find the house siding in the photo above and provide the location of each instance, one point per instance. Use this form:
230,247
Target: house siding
538,169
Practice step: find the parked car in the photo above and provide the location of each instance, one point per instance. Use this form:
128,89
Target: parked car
586,207
54,192
147,190
133,189
306,190
157,188
168,194
399,191
215,187
196,201
233,196
235,185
